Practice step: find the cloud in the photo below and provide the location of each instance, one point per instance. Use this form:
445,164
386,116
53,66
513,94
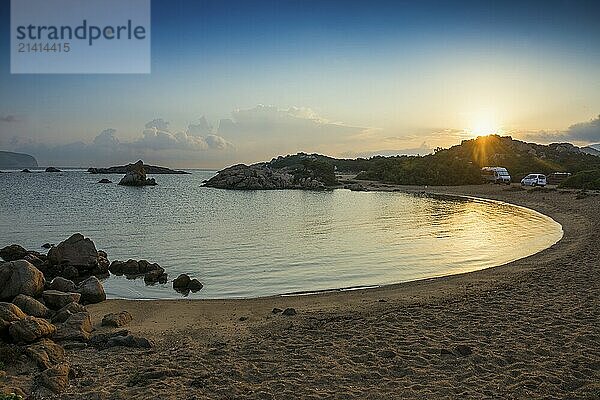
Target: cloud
9,118
107,138
586,131
582,132
157,136
156,142
294,123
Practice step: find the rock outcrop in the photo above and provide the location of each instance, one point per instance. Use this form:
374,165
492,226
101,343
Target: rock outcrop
136,176
304,172
53,169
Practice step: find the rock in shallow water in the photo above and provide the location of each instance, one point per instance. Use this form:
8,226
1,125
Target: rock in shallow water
136,176
76,251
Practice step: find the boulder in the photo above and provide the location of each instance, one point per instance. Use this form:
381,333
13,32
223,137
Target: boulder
62,285
47,245
289,312
64,313
45,353
156,274
77,327
26,170
91,291
20,277
53,380
136,176
30,329
53,169
129,341
181,282
57,300
103,265
77,251
9,313
104,180
34,259
119,338
195,285
13,252
117,320
31,306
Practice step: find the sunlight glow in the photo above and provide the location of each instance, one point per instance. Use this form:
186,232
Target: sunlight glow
483,123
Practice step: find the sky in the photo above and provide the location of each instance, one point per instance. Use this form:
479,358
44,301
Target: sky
244,81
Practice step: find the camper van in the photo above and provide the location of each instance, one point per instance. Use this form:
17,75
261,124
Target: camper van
495,175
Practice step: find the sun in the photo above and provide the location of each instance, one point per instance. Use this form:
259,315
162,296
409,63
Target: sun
483,123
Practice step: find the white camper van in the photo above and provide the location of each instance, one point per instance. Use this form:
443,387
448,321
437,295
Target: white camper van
495,175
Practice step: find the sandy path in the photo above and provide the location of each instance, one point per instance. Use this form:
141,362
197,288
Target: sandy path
533,327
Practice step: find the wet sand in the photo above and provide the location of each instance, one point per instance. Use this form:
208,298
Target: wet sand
528,329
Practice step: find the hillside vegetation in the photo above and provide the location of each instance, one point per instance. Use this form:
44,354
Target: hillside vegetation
583,180
458,165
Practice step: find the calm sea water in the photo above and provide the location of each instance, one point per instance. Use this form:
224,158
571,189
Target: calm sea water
248,244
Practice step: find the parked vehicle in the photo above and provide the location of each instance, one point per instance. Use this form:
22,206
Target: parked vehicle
556,178
534,180
495,175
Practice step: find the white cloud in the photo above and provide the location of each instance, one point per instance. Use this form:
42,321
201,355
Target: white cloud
582,132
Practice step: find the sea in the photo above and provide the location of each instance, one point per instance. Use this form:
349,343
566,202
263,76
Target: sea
244,244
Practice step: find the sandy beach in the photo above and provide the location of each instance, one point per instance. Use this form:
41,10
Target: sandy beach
527,329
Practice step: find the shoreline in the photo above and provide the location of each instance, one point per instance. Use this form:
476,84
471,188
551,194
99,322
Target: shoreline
404,332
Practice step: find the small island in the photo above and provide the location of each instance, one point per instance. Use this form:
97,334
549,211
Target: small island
122,169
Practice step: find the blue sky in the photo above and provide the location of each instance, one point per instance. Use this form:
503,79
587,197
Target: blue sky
338,77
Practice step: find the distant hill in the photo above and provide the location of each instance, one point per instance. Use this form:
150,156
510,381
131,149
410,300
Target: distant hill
461,164
10,160
593,149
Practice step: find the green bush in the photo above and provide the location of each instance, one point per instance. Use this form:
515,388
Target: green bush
588,180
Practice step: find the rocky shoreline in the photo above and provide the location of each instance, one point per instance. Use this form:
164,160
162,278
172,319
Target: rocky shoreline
43,310
300,171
